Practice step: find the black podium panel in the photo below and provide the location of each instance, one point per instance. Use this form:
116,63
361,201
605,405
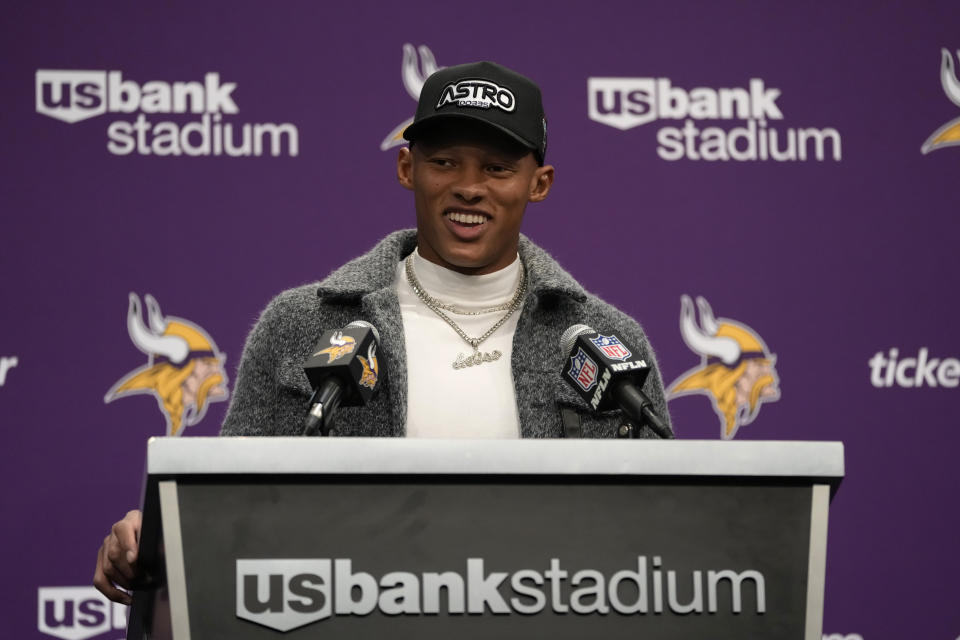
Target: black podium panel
263,556
269,538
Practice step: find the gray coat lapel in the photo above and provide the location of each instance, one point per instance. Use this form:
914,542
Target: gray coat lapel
552,305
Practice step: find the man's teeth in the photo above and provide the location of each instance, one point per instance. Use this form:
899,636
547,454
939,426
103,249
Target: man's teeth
467,218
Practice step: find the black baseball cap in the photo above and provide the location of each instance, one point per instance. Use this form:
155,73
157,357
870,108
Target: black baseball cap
486,92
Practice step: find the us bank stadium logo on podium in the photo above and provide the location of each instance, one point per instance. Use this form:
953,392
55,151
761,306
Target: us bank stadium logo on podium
184,369
949,134
626,103
286,594
736,371
197,116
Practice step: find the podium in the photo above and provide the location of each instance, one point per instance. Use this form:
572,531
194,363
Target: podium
262,538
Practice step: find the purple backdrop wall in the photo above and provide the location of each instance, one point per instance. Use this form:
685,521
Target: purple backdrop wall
825,261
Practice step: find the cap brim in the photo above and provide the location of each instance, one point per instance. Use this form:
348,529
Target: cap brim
411,133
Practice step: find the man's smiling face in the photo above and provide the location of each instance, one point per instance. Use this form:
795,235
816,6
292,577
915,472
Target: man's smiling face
471,185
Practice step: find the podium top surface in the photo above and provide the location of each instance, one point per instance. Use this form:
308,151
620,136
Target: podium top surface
268,455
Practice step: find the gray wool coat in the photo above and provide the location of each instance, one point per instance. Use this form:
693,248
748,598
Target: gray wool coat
271,392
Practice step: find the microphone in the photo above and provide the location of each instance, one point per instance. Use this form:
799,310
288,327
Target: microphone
343,371
606,373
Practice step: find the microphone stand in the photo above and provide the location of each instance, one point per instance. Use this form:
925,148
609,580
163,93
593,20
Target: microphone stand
639,412
323,403
628,430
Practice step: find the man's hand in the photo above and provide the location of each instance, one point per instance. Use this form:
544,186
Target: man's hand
117,560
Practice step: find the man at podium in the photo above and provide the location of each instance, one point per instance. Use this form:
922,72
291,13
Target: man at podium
469,311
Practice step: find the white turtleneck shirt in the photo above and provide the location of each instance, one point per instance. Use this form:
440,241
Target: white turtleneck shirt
472,402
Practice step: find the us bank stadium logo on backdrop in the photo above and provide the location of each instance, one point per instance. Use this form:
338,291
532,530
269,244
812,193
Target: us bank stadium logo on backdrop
736,369
184,369
418,63
949,134
78,613
707,115
197,115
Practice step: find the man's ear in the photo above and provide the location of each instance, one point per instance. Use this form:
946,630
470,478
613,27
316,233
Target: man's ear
405,168
541,182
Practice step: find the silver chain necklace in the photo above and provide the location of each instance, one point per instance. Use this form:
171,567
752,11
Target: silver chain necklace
478,357
457,311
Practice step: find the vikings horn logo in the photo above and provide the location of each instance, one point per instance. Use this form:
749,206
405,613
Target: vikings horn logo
340,345
736,369
949,134
184,369
414,75
370,367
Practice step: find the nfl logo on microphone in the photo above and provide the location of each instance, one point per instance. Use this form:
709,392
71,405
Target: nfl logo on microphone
611,347
583,370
